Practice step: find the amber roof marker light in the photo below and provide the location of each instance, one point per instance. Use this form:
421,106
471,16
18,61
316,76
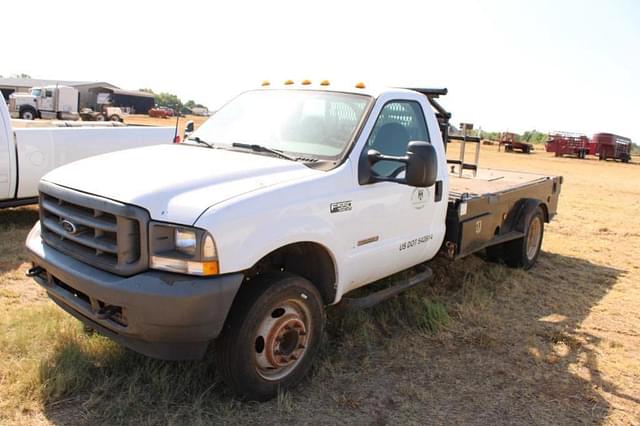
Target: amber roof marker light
306,82
266,83
288,82
360,85
324,83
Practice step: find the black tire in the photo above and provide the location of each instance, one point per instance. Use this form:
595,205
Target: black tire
523,252
115,117
99,117
246,353
516,253
28,113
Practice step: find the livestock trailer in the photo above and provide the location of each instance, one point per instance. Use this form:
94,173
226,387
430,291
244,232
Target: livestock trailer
608,145
564,143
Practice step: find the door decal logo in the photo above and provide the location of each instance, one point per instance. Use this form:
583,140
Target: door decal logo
478,226
419,198
340,206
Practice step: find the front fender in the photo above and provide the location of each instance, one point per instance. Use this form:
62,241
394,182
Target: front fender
241,246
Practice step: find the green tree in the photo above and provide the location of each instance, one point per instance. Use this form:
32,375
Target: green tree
21,75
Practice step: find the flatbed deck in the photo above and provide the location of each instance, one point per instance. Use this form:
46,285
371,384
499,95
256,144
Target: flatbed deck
489,181
485,209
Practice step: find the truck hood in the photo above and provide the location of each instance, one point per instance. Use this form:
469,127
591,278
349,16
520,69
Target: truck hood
176,183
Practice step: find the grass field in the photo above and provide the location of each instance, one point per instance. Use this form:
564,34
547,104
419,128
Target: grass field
479,344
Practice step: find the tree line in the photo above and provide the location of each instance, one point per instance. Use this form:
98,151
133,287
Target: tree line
169,100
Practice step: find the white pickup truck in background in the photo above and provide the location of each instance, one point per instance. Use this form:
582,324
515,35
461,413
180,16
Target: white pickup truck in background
27,154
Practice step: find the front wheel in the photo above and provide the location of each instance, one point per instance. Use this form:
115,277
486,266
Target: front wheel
271,336
28,114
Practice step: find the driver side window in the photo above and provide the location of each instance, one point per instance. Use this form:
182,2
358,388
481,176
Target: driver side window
399,123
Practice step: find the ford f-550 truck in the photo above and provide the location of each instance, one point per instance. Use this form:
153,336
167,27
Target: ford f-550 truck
27,154
284,201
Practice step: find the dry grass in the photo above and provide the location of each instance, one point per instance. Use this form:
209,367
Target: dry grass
480,344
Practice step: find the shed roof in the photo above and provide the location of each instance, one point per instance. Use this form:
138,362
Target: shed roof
31,82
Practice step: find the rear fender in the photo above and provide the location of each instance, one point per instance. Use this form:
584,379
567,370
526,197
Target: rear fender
521,213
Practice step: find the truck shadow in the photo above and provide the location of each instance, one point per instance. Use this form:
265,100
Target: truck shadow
513,351
15,224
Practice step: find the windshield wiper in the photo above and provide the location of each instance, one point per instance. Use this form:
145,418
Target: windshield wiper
198,140
260,148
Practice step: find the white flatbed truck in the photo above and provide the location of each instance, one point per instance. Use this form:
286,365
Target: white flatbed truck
284,201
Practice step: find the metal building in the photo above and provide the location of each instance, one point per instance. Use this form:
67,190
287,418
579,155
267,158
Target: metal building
92,94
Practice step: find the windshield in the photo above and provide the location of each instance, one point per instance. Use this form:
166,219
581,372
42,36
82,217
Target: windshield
314,123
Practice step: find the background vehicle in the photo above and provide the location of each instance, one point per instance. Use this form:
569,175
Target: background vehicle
604,145
49,102
608,145
26,154
108,113
161,112
510,143
244,233
564,143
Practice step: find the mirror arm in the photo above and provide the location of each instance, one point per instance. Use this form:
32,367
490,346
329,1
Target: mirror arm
382,157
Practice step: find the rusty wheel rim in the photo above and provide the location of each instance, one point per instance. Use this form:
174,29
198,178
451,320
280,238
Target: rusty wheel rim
282,340
533,238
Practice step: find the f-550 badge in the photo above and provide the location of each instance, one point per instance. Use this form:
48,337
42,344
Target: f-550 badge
340,206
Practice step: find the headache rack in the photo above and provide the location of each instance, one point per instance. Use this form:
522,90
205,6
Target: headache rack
444,117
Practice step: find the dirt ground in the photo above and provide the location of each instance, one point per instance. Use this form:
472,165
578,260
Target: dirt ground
558,344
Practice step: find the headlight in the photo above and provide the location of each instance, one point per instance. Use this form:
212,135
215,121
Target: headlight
182,249
186,241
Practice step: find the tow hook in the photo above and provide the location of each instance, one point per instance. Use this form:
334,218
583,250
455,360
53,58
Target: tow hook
34,271
451,249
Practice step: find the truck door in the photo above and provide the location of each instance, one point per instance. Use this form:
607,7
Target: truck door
47,101
396,226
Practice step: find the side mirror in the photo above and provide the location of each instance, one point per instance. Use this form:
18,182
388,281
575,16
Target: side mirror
421,160
422,164
189,128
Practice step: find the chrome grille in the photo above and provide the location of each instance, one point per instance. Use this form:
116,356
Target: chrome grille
100,232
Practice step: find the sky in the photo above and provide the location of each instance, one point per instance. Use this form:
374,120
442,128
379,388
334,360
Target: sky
509,65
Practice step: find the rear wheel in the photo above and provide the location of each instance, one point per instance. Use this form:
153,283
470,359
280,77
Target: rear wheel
271,337
523,252
115,117
99,117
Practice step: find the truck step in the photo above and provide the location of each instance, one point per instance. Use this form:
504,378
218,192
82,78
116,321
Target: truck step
387,293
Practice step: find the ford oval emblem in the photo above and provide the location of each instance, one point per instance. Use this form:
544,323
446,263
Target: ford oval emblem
69,227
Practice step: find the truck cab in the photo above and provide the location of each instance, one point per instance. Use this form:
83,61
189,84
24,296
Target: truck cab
49,102
285,200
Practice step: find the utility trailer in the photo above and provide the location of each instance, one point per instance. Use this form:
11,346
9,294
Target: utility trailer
511,143
565,143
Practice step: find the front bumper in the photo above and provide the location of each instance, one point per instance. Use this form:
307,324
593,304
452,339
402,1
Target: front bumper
159,314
